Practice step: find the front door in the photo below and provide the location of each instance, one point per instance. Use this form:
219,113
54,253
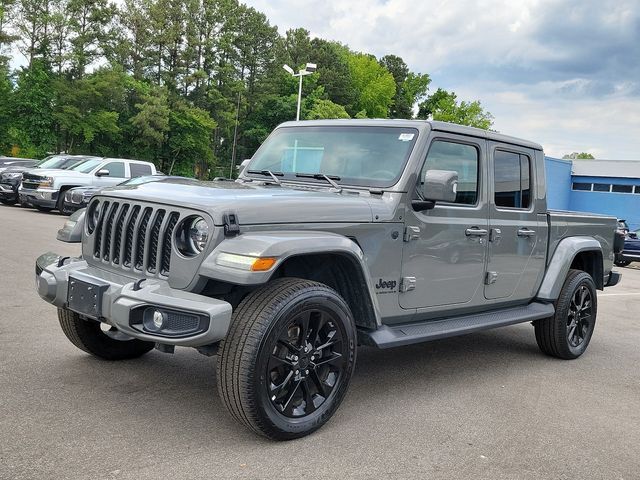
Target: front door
517,240
445,248
117,174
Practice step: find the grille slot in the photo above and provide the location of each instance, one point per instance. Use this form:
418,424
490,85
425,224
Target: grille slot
166,244
129,239
142,238
118,234
153,242
134,237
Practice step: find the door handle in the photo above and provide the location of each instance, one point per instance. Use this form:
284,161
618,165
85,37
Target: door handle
476,232
526,232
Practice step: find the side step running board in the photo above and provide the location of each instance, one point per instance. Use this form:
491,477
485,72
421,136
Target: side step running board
388,336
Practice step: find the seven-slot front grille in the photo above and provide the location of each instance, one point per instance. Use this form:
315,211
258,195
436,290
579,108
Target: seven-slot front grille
134,237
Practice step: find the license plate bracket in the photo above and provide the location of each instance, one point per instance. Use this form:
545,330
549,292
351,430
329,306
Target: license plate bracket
85,296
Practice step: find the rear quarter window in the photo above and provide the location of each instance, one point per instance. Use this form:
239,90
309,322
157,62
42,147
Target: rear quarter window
139,169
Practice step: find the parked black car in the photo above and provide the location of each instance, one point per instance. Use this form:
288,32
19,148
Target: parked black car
79,197
631,250
11,177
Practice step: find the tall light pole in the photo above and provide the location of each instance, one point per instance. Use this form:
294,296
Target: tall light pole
307,70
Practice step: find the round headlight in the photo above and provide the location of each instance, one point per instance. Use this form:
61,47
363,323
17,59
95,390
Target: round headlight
93,215
198,234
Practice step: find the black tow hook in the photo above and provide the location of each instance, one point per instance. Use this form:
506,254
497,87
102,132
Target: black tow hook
138,284
61,261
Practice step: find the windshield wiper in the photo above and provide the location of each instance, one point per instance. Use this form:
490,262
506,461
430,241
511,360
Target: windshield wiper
268,173
322,176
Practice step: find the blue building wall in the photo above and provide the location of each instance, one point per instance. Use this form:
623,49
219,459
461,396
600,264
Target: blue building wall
621,205
558,183
561,196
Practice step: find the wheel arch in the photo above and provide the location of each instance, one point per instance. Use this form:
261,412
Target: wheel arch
578,253
332,259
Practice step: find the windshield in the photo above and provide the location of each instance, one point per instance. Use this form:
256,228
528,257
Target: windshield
87,166
58,161
364,156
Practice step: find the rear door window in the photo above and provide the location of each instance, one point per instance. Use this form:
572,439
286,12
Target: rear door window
139,169
512,179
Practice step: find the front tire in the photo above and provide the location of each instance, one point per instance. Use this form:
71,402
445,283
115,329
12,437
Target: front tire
88,336
286,362
567,334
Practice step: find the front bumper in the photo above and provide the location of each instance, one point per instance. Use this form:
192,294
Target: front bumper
633,255
70,207
122,299
40,197
8,192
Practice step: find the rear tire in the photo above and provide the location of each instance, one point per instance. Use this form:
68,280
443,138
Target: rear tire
286,362
567,334
622,263
88,336
43,209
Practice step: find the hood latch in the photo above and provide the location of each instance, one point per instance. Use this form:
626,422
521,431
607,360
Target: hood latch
231,226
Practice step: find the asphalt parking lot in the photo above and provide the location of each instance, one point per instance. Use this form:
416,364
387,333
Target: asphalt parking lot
487,405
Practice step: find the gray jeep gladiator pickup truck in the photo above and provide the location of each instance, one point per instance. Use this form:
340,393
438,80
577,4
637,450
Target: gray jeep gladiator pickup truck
336,234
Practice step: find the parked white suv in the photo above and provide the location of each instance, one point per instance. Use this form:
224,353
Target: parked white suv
44,189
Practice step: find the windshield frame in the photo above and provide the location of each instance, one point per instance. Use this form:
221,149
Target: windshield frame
290,177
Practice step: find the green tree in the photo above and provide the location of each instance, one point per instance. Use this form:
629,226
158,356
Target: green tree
444,106
88,22
33,27
151,124
6,118
33,129
334,74
87,112
322,109
374,85
579,156
190,141
7,9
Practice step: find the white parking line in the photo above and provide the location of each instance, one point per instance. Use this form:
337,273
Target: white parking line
618,294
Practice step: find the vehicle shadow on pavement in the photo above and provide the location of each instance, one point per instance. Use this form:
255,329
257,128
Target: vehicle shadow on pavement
181,388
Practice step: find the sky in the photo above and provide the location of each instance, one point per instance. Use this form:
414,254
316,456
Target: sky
565,74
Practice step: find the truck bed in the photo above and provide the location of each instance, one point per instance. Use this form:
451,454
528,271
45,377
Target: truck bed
563,224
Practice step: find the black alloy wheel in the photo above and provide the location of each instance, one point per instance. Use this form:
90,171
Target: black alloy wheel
306,363
579,317
286,362
568,332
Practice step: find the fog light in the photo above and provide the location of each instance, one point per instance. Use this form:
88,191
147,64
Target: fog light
158,319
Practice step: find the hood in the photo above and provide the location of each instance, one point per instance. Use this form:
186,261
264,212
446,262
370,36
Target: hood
55,172
15,169
85,189
252,203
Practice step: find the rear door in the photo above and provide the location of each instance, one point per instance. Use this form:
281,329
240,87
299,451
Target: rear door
517,236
